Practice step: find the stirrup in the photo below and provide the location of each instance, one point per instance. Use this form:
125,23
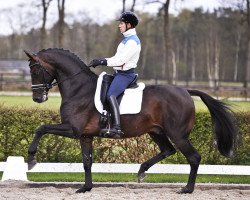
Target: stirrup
112,133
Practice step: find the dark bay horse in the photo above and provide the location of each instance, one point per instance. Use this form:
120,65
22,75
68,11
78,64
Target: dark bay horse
167,114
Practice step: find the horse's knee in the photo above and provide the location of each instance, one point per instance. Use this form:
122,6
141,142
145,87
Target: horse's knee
77,132
40,130
87,165
87,168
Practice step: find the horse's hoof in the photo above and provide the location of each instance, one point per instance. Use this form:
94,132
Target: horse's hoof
185,190
141,177
83,190
31,164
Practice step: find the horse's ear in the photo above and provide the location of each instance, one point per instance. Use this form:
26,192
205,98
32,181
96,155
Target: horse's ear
31,56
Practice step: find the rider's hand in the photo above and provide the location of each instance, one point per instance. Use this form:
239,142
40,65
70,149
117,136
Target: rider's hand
96,62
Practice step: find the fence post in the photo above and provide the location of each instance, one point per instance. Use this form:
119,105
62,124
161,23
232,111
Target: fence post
15,169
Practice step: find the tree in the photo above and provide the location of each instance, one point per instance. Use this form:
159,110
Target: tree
45,6
166,39
212,43
132,6
182,28
20,22
247,71
61,22
244,7
231,21
204,45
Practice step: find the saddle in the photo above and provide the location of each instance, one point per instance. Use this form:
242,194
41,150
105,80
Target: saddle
105,118
106,82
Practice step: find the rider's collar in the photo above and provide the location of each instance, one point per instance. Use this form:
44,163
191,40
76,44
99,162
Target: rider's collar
129,32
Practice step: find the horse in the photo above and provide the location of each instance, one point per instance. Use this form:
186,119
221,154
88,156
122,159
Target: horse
167,114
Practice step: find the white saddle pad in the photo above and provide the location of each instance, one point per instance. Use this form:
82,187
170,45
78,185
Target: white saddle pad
131,100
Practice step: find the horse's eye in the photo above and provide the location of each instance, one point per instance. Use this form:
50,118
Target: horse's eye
35,71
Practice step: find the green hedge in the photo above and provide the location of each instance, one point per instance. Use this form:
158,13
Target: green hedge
17,127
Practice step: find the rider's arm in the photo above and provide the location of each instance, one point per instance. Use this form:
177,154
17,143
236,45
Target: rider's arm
124,54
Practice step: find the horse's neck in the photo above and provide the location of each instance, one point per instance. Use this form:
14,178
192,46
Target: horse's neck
79,87
75,82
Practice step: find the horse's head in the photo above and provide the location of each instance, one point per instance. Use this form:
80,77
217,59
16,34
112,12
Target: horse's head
42,76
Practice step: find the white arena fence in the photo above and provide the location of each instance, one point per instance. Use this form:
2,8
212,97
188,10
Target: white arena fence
16,169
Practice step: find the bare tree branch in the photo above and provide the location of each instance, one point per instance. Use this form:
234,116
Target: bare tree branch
45,6
133,5
154,1
123,5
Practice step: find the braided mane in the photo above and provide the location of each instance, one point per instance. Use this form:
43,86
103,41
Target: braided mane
72,55
64,51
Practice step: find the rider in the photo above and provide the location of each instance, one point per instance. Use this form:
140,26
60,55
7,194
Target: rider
123,62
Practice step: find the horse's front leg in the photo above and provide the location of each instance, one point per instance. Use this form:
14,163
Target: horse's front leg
56,129
86,146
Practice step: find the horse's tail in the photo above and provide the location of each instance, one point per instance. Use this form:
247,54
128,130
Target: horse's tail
224,123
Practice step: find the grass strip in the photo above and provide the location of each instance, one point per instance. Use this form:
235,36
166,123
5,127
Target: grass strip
150,178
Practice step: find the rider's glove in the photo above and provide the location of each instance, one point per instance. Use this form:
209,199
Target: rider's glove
96,62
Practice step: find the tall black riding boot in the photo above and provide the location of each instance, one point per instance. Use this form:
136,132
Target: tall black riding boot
115,131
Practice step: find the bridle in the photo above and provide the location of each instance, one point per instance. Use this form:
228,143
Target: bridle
47,86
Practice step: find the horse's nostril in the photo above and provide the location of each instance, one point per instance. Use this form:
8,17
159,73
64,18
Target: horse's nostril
38,99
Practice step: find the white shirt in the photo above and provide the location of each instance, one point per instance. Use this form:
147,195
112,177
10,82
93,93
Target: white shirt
127,53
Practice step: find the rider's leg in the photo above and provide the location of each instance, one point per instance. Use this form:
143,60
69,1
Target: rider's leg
117,87
115,131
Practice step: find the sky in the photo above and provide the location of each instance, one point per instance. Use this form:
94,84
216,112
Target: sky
99,11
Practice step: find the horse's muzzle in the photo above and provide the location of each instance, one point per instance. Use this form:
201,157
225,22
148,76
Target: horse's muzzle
40,99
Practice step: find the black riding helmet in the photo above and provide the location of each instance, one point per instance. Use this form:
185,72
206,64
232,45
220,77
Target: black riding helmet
129,17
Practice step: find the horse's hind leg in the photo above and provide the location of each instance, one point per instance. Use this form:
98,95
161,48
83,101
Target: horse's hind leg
193,158
166,149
